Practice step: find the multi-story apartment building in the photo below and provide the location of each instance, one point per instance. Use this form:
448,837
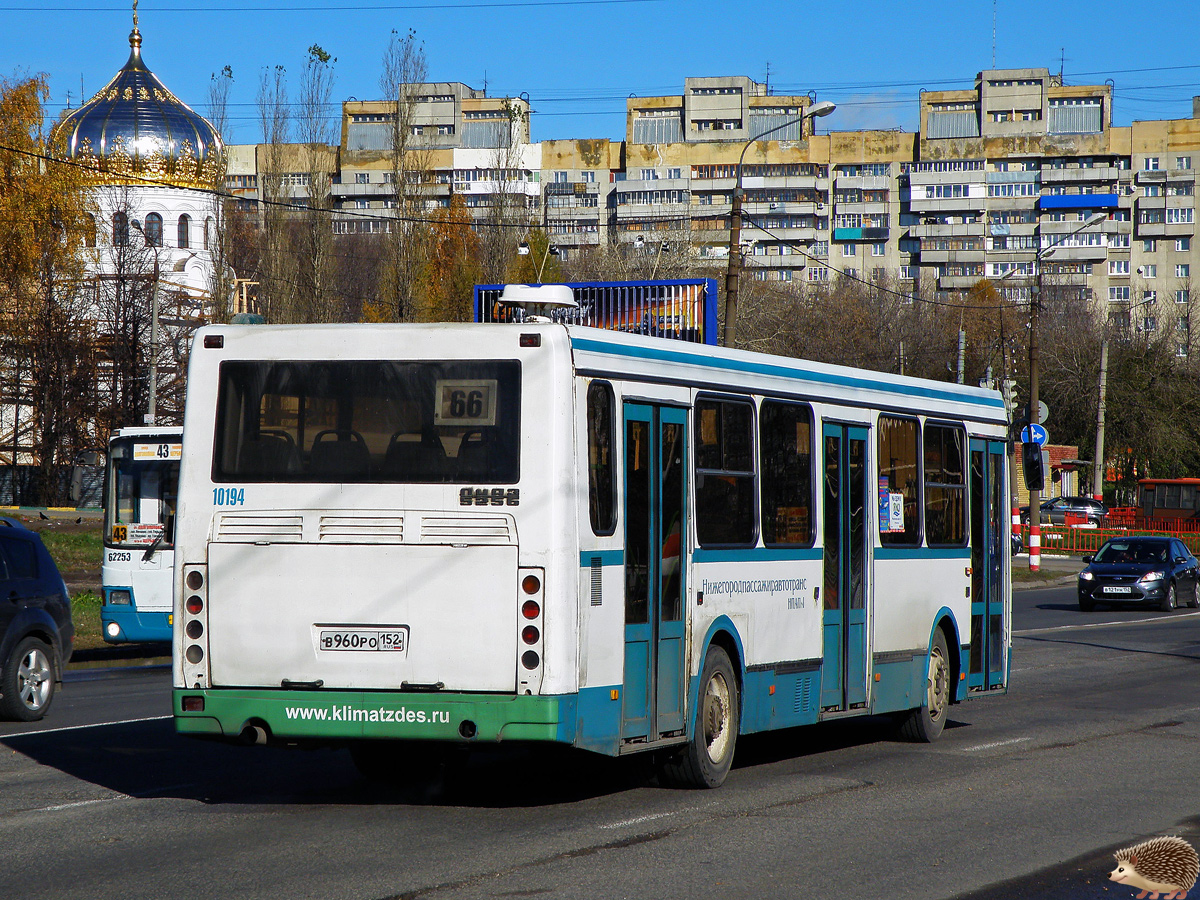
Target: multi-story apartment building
994,176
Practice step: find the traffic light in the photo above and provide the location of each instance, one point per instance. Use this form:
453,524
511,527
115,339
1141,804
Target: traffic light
1032,464
1008,389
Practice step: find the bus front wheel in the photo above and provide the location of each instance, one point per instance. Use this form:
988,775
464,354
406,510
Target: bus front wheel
925,723
705,760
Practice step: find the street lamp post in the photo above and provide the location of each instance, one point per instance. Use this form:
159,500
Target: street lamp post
823,108
151,406
1035,518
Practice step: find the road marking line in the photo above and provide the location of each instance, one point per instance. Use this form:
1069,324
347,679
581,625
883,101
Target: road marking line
1156,619
62,806
995,744
4,737
638,821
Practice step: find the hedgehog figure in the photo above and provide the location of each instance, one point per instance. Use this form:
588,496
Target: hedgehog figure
1164,865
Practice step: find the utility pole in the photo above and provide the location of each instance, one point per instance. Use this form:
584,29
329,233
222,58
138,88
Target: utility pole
1098,464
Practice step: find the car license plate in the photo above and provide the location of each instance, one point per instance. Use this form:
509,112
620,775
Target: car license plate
1111,589
392,639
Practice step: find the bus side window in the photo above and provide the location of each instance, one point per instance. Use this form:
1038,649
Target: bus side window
725,474
602,473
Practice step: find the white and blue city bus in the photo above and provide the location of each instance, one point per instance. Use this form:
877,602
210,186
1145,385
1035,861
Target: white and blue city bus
140,486
406,537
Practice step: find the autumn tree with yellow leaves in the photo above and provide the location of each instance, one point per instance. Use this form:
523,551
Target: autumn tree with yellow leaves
48,376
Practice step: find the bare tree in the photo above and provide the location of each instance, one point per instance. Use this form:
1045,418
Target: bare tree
404,73
275,274
221,285
317,300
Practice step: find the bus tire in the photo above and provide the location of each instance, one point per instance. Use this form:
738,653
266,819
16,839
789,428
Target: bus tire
925,723
28,681
705,760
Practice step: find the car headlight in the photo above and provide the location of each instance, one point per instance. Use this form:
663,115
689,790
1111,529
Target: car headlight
1153,576
1086,576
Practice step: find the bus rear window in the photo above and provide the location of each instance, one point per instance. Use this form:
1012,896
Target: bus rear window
369,421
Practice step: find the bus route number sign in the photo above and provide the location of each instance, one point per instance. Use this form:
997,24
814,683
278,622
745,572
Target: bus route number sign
392,639
161,452
465,402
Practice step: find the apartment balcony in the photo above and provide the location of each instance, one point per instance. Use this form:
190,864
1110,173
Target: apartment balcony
1066,253
975,229
1151,202
791,235
872,234
950,282
783,208
947,204
654,210
953,256
1009,256
864,182
1150,176
776,261
1078,176
654,184
862,209
1164,229
1012,228
570,188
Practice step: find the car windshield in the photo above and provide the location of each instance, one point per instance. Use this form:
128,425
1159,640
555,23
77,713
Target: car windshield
1132,552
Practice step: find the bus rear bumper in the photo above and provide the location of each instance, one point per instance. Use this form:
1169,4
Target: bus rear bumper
355,715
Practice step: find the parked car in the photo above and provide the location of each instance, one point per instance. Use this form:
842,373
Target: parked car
1158,571
36,632
1056,509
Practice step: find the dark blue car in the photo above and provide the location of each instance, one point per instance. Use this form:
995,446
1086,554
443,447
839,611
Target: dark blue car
1157,571
36,633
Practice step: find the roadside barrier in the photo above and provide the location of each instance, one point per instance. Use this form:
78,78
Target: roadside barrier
1074,539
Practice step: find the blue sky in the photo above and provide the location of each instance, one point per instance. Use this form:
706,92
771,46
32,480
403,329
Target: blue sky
578,60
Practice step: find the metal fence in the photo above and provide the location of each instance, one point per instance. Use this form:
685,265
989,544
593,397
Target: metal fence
683,309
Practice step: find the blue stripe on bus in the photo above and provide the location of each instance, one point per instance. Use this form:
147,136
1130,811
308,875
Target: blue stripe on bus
606,557
923,553
664,355
757,554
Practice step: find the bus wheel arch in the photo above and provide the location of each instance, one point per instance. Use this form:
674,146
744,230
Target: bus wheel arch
704,761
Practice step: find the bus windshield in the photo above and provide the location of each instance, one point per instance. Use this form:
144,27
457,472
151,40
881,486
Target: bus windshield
143,478
368,421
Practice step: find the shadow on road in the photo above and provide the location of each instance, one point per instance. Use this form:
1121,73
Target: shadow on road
148,759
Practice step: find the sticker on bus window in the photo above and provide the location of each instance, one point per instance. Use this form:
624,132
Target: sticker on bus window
465,402
163,451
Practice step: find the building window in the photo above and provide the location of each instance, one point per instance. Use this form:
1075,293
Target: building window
1150,270
1149,296
1153,190
878,249
589,177
1118,267
1183,271
1118,294
1150,164
208,233
1149,246
1178,215
1183,244
183,232
362,177
1182,295
153,230
362,203
1149,323
560,177
674,173
1183,162
649,175
849,249
445,129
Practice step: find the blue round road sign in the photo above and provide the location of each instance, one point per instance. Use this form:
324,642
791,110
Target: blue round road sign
1034,434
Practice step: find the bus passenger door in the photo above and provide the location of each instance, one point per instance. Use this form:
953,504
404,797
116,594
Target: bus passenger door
844,667
989,545
655,541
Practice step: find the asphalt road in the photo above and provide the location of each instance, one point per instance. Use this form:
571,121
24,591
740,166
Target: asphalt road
1025,795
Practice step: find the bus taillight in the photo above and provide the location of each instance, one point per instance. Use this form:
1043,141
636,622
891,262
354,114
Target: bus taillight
530,634
531,584
530,609
194,604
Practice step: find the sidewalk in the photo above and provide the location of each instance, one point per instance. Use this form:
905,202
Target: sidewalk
1055,570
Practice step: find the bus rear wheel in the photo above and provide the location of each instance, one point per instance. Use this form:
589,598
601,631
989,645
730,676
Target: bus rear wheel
705,760
925,723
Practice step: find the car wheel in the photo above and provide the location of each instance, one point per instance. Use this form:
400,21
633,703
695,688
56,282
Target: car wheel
27,681
1168,602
